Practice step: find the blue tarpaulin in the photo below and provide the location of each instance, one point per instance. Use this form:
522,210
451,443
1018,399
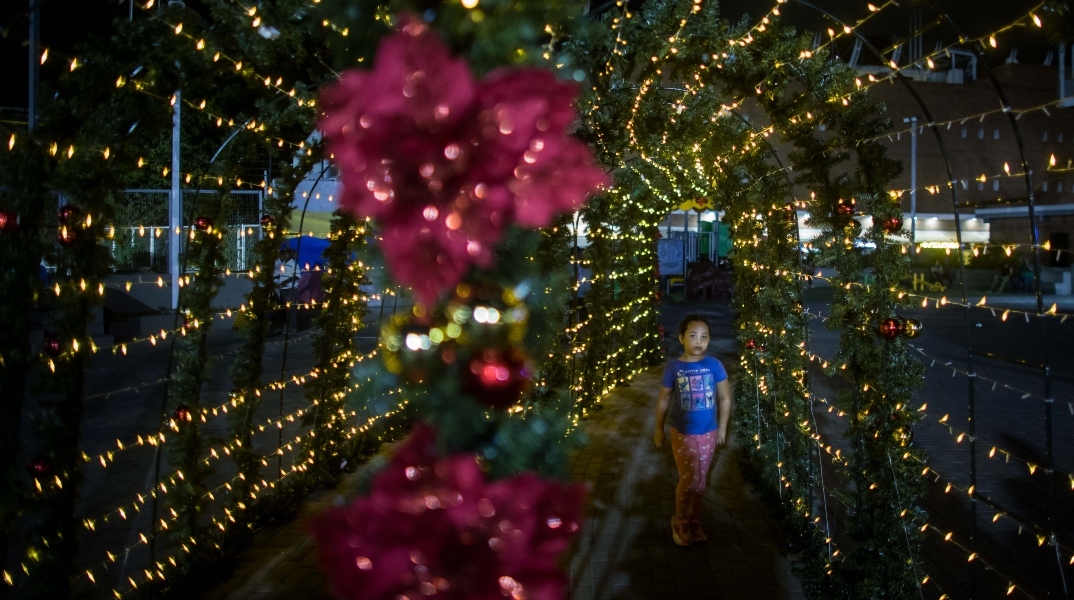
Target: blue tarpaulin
310,250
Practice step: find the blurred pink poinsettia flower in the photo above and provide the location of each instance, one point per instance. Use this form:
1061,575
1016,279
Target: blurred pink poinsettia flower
434,527
445,163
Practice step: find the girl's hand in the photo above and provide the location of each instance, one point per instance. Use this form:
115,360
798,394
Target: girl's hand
721,438
658,438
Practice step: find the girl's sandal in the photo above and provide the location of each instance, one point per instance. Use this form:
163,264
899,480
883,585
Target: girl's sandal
697,534
679,534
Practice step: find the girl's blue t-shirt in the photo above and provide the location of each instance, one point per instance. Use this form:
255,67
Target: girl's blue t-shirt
693,394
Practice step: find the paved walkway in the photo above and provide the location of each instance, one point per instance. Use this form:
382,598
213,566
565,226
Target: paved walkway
625,550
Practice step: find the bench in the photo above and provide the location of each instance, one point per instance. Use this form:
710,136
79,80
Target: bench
1059,277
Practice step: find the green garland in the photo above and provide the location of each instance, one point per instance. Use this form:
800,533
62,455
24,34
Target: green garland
335,440
683,140
246,371
20,254
203,255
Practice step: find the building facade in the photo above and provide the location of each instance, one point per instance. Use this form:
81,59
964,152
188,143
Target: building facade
983,151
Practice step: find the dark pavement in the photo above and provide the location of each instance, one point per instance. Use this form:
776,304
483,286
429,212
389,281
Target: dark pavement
625,549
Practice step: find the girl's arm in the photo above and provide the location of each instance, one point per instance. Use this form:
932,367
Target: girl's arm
723,390
662,403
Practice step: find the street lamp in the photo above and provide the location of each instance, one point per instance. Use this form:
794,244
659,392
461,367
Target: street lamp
913,182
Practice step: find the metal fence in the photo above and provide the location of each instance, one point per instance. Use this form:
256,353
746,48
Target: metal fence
140,241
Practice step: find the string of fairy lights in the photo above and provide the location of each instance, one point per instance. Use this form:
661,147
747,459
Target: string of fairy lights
221,524
214,453
837,457
1012,587
1042,534
632,310
810,428
943,301
946,364
58,351
643,89
1030,465
960,435
927,59
278,423
678,163
935,188
234,401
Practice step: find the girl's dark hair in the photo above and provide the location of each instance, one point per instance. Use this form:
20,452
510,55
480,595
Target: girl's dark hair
692,319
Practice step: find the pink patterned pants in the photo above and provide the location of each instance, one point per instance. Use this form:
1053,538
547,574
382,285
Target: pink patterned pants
693,457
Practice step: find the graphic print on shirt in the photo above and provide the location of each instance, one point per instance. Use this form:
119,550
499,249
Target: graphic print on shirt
696,392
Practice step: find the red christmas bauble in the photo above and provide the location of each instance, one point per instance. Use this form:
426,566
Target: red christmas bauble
39,467
892,224
52,346
267,220
203,223
182,413
889,328
67,236
751,344
66,213
497,379
845,208
9,221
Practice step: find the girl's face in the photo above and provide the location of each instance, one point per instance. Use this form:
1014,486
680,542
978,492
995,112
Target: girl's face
696,339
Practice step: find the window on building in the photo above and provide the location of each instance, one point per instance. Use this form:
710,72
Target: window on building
1059,188
1044,187
995,134
980,133
1044,137
995,185
332,172
1060,137
963,132
965,184
980,186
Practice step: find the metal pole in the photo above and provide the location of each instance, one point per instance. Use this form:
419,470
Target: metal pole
1062,71
35,64
913,185
175,206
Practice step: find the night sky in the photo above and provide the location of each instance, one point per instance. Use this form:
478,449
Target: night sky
65,24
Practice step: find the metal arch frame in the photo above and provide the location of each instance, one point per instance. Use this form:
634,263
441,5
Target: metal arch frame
805,334
961,264
805,330
171,350
1045,367
1027,177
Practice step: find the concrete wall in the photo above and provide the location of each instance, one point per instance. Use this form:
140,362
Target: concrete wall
144,289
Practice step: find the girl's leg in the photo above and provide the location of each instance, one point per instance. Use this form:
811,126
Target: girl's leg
706,448
688,459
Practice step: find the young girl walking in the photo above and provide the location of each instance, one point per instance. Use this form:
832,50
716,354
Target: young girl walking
690,387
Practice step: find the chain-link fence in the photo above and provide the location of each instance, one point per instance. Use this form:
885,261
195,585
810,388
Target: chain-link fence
140,241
